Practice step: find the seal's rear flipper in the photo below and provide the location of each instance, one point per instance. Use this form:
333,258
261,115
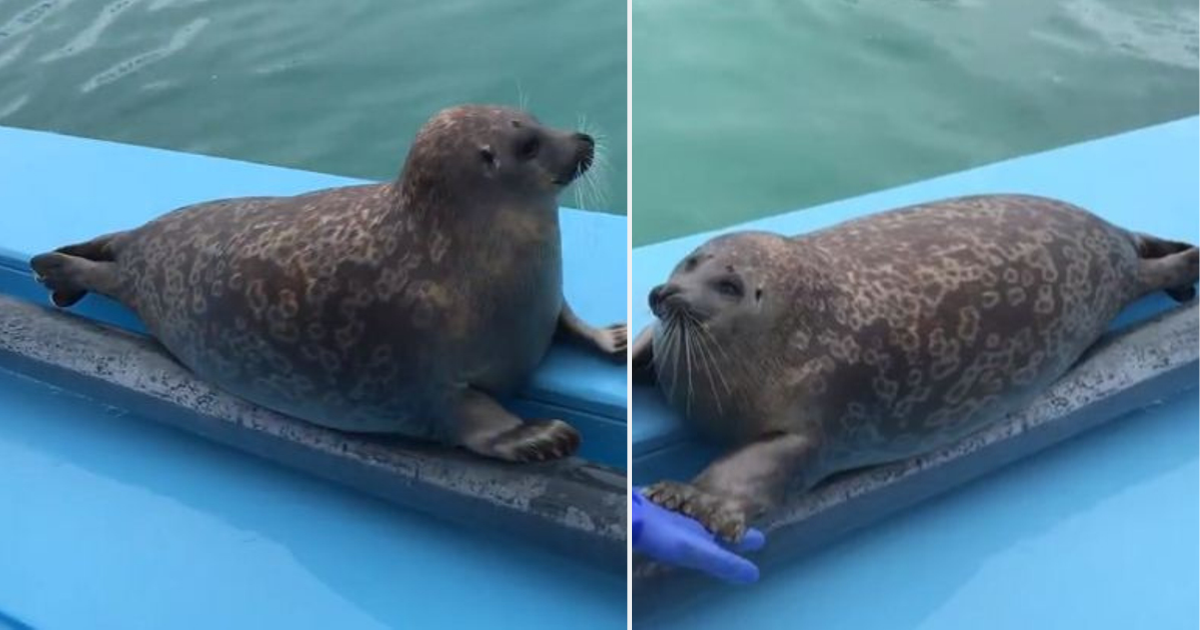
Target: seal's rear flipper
69,278
1176,274
100,249
1168,266
482,426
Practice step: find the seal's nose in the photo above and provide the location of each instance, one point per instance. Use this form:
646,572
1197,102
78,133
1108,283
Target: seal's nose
659,295
587,149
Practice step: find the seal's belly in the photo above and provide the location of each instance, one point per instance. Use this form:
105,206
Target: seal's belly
510,338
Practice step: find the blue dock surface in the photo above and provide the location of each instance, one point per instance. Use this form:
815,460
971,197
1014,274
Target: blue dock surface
108,520
1098,532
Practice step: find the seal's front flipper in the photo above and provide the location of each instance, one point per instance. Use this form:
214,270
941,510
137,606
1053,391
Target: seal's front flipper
726,516
740,486
482,426
643,357
612,340
69,278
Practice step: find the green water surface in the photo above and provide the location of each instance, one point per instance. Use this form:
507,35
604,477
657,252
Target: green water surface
744,109
331,86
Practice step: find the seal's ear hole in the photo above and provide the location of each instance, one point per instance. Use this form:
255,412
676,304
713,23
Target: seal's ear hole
488,156
758,294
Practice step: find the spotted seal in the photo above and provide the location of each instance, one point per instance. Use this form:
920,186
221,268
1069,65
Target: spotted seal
404,307
881,338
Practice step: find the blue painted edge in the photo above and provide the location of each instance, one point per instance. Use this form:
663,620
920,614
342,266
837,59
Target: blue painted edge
8,622
571,505
59,189
1146,180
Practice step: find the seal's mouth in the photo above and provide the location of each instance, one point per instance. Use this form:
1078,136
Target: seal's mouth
585,152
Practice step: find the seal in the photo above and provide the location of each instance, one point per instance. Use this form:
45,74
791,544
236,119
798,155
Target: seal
881,338
405,307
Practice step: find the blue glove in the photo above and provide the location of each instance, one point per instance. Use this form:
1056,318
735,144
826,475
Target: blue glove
672,538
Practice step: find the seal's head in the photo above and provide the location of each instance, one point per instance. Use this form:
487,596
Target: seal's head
717,314
492,152
724,285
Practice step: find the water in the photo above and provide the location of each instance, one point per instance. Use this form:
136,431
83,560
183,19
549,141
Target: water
743,109
337,87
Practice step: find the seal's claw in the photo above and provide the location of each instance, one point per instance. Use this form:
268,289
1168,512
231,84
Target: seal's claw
60,274
614,341
669,495
537,441
720,515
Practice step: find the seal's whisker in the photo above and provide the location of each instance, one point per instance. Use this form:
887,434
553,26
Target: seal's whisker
588,194
597,173
578,192
677,351
594,181
585,187
585,125
716,344
716,362
673,356
708,363
670,348
687,344
522,97
591,189
753,371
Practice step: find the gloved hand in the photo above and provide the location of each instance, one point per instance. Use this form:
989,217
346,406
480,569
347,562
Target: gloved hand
672,538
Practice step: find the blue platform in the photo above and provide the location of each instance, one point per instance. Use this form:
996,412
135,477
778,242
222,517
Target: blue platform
1099,532
111,521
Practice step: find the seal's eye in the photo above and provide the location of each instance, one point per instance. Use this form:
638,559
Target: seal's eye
528,149
729,287
690,263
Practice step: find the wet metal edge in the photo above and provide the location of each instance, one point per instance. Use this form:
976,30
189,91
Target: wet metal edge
575,507
1129,370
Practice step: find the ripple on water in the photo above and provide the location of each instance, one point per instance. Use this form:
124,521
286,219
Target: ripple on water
162,4
31,17
1151,35
10,55
11,107
178,41
90,34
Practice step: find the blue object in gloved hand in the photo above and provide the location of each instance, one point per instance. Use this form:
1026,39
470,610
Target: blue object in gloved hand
672,538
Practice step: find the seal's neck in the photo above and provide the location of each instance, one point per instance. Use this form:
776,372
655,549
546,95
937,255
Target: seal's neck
415,199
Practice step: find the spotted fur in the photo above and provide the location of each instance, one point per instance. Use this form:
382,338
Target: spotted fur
887,336
366,308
